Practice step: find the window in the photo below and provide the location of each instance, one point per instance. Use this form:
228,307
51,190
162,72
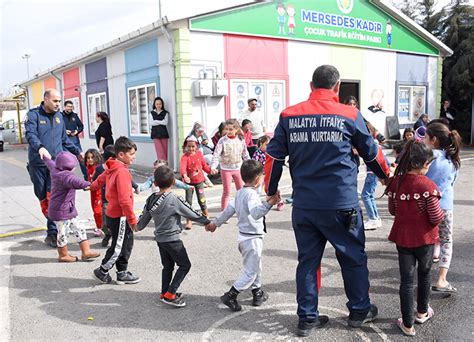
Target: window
411,103
95,103
140,104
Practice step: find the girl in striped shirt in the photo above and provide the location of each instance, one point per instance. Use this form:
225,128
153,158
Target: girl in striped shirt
414,201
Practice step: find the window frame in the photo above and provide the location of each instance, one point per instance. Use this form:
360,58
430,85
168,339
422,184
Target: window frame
149,108
411,115
91,114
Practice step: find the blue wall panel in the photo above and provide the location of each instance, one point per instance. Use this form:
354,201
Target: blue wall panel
141,63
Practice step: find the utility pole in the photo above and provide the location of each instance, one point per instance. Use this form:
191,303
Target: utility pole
27,56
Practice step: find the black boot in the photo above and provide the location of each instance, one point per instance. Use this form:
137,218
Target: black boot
259,297
230,299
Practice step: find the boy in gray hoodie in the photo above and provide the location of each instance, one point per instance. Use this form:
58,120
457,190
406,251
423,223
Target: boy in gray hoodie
166,210
251,222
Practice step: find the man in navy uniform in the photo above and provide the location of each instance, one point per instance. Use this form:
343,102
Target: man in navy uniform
74,127
318,136
46,136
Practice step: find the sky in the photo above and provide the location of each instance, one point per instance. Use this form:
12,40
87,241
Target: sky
53,31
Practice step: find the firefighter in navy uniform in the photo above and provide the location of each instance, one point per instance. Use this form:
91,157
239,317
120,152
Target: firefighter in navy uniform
318,136
74,127
46,136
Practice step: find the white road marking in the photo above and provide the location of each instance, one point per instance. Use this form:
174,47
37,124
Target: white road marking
4,290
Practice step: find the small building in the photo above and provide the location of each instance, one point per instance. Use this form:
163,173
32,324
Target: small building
206,67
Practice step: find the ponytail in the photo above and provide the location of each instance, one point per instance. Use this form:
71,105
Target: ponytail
449,141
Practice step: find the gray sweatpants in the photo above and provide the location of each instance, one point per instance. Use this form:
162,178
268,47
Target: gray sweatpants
251,251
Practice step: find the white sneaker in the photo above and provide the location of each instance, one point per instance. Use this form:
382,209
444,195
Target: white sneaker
379,222
372,224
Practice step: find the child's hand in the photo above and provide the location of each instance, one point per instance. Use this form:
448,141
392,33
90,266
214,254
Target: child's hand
134,227
186,179
211,227
87,188
214,171
137,191
272,200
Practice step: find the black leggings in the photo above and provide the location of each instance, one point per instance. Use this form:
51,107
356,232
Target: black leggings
172,253
199,190
407,259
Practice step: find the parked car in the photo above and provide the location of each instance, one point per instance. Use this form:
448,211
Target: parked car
11,132
1,138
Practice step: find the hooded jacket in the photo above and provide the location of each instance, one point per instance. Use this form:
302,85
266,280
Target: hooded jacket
118,191
62,205
46,130
166,209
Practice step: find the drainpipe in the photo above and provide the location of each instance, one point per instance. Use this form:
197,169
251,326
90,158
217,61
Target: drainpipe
61,90
174,135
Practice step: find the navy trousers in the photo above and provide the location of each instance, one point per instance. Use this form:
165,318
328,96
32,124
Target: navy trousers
313,228
41,180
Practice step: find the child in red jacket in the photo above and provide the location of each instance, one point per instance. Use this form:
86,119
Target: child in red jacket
414,200
94,159
192,165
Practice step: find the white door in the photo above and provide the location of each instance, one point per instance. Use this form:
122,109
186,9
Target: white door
270,95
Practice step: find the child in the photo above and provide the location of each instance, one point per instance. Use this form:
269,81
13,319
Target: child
192,166
109,152
229,152
149,183
443,171
259,156
166,210
94,159
120,216
250,213
62,205
247,135
408,134
368,191
219,134
414,200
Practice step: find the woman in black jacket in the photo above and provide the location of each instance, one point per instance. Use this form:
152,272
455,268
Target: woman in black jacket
159,133
103,134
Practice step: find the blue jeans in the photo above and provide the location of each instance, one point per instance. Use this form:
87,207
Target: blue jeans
313,228
368,196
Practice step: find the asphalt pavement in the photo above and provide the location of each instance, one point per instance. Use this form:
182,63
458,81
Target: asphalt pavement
41,299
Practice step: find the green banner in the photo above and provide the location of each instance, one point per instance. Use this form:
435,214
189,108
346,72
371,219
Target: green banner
346,22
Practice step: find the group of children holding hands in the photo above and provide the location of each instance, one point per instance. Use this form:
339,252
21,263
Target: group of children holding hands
420,196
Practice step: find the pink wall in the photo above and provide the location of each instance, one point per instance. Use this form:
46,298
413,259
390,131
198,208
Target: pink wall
72,87
255,58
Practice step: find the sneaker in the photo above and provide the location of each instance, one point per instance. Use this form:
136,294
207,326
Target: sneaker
126,277
259,297
178,294
176,301
379,222
289,200
231,301
105,240
304,327
371,224
51,240
102,276
280,206
406,331
98,232
370,317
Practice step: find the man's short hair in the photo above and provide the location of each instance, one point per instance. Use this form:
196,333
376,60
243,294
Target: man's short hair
68,102
48,92
124,144
250,100
164,177
250,170
325,76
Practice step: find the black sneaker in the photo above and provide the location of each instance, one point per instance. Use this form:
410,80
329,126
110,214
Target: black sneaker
126,277
231,301
177,301
356,322
305,327
259,297
105,240
102,276
51,240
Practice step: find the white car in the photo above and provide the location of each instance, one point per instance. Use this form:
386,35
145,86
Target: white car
11,132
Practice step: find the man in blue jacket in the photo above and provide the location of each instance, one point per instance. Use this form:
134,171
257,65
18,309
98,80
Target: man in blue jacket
46,136
318,136
74,127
